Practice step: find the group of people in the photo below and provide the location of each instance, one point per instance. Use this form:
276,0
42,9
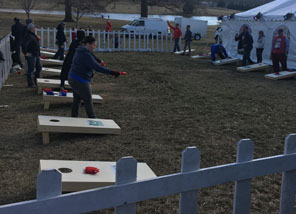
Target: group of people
279,50
78,65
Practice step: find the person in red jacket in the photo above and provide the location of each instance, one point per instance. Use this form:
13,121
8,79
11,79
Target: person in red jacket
108,27
279,51
177,36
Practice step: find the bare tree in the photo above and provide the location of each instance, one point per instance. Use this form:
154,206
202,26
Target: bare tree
27,6
68,11
144,8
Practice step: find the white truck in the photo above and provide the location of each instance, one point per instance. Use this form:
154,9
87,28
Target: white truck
147,25
197,27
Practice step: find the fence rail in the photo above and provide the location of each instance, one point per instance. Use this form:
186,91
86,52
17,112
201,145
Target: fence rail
127,192
115,40
5,65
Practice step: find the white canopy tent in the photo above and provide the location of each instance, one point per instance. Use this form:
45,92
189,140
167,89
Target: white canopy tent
271,20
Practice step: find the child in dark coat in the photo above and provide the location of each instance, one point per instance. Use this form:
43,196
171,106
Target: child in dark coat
188,39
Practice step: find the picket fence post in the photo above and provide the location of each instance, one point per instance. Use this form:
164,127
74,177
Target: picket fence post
242,191
288,189
49,184
190,162
126,172
99,40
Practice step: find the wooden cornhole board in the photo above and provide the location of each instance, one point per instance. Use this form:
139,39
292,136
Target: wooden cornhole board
187,51
47,49
52,61
47,53
225,61
47,124
49,83
50,71
47,99
281,75
77,180
201,56
253,67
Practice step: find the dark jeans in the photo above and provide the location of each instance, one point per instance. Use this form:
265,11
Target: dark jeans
33,66
276,60
246,56
81,91
18,53
187,44
60,52
259,52
176,46
221,55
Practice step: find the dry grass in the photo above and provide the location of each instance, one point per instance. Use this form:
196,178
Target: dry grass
166,103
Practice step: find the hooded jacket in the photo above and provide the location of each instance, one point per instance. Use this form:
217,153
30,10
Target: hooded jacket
83,65
60,36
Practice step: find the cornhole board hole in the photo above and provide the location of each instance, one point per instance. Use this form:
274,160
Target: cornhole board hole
74,178
47,99
281,75
187,51
225,61
50,71
253,67
49,83
200,56
47,124
52,61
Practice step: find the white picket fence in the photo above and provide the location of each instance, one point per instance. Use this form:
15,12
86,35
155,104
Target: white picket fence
5,66
106,40
127,192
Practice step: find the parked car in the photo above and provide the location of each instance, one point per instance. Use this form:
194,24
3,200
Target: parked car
146,25
197,27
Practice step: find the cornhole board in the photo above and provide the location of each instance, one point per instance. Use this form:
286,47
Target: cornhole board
50,71
74,178
225,61
180,52
47,49
253,67
52,61
47,53
201,56
47,124
47,99
49,83
281,75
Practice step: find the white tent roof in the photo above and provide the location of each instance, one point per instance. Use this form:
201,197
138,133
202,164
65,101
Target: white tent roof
274,10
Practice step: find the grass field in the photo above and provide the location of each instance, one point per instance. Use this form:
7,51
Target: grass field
166,103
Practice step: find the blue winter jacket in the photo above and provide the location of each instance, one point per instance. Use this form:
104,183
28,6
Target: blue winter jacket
83,65
215,50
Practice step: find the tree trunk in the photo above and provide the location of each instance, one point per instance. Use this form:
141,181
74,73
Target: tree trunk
144,8
68,11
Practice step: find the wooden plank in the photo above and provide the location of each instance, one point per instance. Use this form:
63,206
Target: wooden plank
50,71
105,198
225,61
66,99
77,125
187,51
253,67
200,56
52,61
49,83
77,180
281,75
49,184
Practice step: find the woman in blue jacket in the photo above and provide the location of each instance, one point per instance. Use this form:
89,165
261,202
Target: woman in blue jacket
81,74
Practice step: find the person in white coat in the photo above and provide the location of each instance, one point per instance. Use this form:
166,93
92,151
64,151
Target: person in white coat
260,46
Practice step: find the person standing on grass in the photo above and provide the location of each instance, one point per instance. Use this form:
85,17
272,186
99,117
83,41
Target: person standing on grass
188,39
177,36
60,41
31,50
108,28
17,30
279,51
81,73
246,41
260,46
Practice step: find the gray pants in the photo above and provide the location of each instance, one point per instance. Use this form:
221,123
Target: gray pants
81,91
187,44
